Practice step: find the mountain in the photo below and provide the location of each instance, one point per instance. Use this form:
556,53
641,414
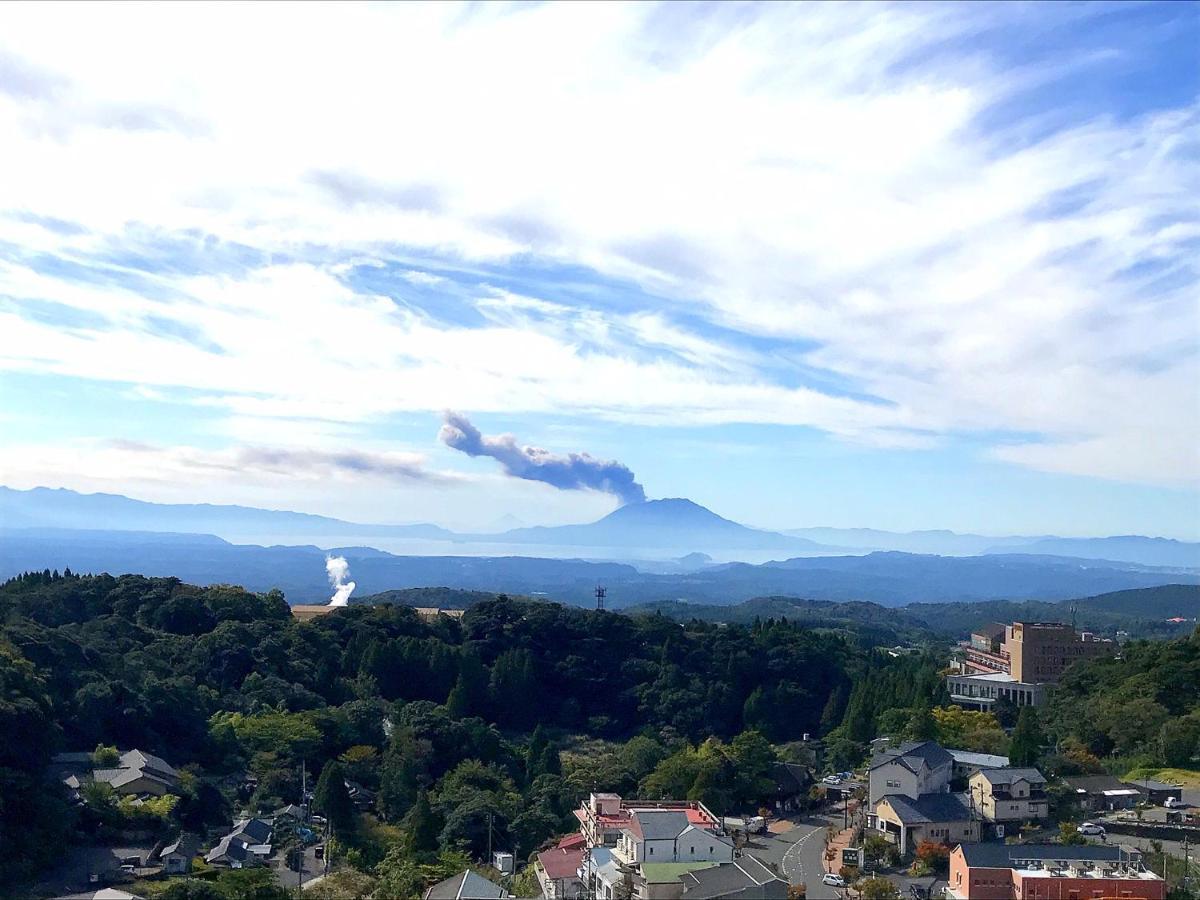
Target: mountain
1144,612
890,579
937,541
1149,551
61,508
673,522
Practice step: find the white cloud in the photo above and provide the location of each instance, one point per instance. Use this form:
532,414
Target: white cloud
811,173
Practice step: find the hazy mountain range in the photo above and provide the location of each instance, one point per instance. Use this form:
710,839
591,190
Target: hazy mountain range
666,529
887,578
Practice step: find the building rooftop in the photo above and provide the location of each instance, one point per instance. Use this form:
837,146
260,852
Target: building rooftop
561,862
1008,776
665,873
928,808
739,878
1106,785
908,753
658,825
983,760
1007,856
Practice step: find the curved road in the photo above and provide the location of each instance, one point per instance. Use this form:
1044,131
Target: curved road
797,855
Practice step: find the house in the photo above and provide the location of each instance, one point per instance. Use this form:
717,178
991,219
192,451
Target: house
1157,792
139,774
995,871
557,869
465,886
602,875
663,881
1101,792
603,816
1010,795
943,818
248,844
666,835
744,878
176,857
792,783
967,763
912,769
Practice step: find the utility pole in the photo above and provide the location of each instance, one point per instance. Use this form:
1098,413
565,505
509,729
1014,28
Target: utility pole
489,856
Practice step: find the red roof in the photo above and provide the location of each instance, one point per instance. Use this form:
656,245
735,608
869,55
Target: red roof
560,863
571,842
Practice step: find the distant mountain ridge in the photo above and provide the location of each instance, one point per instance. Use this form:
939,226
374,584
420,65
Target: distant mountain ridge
890,579
673,527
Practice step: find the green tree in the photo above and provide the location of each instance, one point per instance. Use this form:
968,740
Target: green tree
1179,740
332,800
1027,739
105,757
877,889
422,827
192,889
922,726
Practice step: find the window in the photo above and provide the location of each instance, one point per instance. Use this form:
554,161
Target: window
651,851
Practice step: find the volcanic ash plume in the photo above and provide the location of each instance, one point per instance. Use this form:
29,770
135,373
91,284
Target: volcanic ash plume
338,571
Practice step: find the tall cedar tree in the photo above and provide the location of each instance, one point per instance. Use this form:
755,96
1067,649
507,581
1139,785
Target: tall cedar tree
423,827
332,800
1027,739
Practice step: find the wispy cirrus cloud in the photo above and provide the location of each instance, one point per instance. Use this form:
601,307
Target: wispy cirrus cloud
893,199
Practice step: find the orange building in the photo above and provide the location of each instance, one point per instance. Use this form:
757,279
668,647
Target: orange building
1051,872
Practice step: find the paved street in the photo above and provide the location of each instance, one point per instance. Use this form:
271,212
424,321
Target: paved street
797,855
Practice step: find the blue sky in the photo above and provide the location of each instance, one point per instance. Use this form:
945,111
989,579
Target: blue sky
911,266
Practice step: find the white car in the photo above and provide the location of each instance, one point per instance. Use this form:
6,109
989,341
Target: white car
1174,803
831,779
833,879
1091,829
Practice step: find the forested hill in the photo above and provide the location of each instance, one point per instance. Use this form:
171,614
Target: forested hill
228,682
1144,612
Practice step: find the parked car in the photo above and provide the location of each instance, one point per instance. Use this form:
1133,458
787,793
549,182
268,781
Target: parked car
845,776
1091,829
1174,803
831,779
833,879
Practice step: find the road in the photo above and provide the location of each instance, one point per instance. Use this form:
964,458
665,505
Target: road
797,855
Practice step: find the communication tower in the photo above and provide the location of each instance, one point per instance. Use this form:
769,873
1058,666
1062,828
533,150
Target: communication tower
600,594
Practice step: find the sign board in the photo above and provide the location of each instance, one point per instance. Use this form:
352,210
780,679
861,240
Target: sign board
999,830
852,856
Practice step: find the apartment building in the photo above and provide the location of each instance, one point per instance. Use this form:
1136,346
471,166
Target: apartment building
995,871
1039,652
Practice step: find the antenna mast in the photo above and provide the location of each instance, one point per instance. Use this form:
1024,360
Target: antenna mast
600,594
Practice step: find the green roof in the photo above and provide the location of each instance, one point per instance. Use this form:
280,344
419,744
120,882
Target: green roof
664,873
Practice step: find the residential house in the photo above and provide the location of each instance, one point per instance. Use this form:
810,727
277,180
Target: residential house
667,835
943,818
603,816
176,857
996,871
557,869
248,844
1010,795
912,769
664,881
466,885
136,773
792,783
1101,792
746,878
967,763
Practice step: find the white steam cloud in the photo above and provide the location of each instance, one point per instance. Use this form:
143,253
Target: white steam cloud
338,571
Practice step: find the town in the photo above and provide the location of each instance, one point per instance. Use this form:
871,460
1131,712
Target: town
959,789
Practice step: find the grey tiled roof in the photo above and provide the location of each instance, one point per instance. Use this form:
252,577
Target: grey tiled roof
660,824
910,752
928,808
732,879
1008,776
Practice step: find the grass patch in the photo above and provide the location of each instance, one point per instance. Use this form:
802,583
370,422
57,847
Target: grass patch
1189,778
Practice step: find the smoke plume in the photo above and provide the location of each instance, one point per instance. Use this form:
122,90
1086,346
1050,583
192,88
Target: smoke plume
573,472
338,571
